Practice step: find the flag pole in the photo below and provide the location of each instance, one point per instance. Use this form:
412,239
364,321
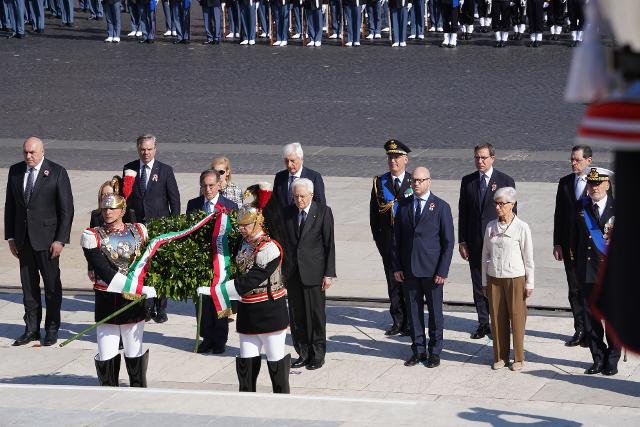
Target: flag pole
106,319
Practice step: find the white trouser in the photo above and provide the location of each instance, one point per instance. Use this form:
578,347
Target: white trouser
273,343
109,339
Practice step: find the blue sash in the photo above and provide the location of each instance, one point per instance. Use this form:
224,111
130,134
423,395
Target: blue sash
388,195
593,227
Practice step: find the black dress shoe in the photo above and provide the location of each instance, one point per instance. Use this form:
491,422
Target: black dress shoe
575,340
608,371
482,331
498,44
50,338
142,41
218,350
394,330
208,42
536,43
26,338
596,368
216,42
415,359
161,317
184,41
573,43
312,366
300,362
12,35
148,314
433,361
405,332
205,346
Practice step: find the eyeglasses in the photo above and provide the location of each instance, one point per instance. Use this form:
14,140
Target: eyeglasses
221,171
501,204
419,180
482,157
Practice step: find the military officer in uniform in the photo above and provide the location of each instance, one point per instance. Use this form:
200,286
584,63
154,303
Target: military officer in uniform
399,19
589,244
313,12
388,190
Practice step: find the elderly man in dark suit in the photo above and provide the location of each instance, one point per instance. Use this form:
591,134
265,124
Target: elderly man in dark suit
309,266
476,208
424,243
38,212
571,189
293,160
155,194
214,331
388,189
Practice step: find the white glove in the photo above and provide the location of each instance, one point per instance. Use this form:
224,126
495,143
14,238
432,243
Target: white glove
149,291
488,2
204,290
545,4
523,3
461,3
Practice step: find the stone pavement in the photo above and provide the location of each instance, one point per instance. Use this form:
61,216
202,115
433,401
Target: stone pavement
363,382
359,267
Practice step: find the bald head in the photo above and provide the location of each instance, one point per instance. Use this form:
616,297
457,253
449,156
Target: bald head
33,151
421,180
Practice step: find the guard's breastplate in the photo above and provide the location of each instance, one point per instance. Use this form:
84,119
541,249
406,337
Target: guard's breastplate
246,259
120,247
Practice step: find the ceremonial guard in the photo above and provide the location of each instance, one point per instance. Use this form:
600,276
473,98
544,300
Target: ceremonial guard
518,18
112,13
449,10
110,249
335,7
262,317
399,18
134,16
212,16
555,18
484,13
232,8
575,9
15,14
147,13
388,190
374,12
467,18
248,21
501,18
281,20
352,18
535,15
181,15
313,10
296,8
589,244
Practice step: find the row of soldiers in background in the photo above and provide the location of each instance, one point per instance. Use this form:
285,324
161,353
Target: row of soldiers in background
347,20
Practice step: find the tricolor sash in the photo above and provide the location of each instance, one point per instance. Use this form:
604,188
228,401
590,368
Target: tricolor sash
593,227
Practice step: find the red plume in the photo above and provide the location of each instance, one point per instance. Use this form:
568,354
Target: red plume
264,194
128,180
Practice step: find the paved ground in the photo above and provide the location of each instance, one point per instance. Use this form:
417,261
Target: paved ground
363,382
67,84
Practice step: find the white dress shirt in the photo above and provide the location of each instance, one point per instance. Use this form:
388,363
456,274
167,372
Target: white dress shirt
488,176
601,205
149,167
210,204
580,183
507,251
36,170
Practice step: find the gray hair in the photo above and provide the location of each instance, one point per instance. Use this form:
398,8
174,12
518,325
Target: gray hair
294,147
305,182
506,193
145,137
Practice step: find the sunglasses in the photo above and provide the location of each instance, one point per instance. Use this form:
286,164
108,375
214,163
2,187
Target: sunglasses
221,171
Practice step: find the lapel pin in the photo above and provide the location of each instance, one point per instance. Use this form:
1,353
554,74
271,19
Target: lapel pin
432,206
45,172
493,187
154,177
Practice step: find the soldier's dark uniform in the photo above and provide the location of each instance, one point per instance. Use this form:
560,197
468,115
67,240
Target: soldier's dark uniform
588,247
384,200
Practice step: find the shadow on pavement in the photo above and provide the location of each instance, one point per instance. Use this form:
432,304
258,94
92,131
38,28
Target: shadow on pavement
496,417
53,380
626,387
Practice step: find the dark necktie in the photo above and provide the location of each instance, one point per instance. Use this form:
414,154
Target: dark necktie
301,219
290,190
396,185
143,179
596,211
483,186
28,189
418,211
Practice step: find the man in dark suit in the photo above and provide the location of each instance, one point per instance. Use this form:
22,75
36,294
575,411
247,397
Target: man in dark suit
424,242
571,189
476,208
38,212
293,160
214,331
155,194
309,266
589,244
388,190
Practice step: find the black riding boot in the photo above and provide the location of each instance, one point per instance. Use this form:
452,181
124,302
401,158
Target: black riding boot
137,369
279,373
108,370
248,369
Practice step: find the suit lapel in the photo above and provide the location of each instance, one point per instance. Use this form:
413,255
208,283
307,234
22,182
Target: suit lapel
311,219
475,190
42,175
19,180
155,172
607,213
